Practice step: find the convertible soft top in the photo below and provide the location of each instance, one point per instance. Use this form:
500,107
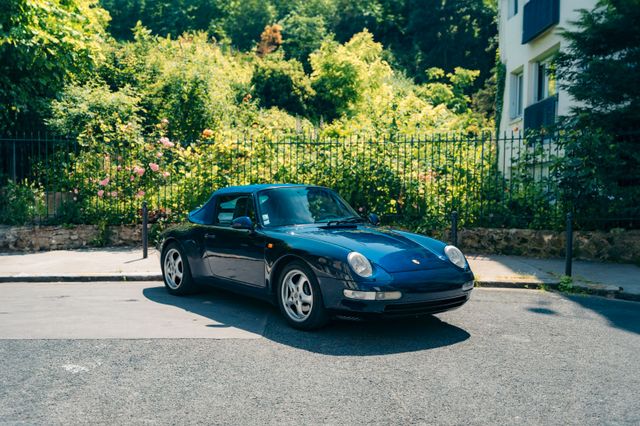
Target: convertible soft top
253,188
204,214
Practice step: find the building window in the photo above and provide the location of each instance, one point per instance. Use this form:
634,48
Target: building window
545,79
513,8
516,94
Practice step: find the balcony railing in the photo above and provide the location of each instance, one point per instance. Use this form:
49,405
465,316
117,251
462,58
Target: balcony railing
539,16
541,114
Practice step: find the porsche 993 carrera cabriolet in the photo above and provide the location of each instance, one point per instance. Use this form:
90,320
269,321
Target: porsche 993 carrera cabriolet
304,248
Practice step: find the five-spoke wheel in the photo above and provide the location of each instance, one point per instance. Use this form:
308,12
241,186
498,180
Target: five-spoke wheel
175,271
299,298
173,268
297,295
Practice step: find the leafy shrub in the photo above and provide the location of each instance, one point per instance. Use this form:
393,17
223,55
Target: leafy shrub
21,203
281,84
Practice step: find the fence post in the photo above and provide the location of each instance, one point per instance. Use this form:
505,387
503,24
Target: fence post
569,248
454,228
145,233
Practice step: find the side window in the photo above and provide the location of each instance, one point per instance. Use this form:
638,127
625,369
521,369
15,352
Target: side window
516,94
251,212
230,207
264,202
545,79
512,8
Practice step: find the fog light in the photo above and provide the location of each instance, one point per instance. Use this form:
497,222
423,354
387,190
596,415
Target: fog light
468,285
388,295
372,295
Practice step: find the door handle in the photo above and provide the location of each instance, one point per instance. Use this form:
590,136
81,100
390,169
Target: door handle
210,236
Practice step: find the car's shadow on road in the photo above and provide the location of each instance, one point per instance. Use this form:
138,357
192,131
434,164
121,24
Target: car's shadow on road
340,337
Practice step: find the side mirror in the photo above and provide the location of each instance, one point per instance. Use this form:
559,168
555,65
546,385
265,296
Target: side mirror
242,222
374,219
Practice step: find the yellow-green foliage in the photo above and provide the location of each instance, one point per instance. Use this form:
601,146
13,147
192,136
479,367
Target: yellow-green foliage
170,120
351,90
43,45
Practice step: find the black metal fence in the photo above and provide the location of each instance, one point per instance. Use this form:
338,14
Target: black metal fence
411,181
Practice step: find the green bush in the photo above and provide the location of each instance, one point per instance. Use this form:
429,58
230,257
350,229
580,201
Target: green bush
281,84
22,203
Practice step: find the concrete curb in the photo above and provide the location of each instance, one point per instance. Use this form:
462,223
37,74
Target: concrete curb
80,278
528,285
580,288
524,285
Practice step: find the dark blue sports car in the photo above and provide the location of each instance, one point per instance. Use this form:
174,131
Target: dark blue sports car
304,248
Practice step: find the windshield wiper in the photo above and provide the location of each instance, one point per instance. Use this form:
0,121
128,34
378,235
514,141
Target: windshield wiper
346,221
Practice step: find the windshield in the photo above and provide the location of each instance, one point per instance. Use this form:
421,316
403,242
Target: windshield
302,205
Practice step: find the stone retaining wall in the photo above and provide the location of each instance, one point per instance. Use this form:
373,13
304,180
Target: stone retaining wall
616,245
36,238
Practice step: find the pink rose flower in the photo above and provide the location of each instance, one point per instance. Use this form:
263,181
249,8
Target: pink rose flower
158,154
165,174
154,167
140,194
100,193
132,178
114,193
166,142
104,182
138,170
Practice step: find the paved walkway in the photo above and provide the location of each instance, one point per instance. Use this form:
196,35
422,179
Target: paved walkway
126,264
108,264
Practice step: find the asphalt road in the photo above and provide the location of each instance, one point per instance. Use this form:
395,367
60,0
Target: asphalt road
107,353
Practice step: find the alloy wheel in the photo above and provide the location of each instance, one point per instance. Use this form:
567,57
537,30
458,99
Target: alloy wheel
173,268
297,295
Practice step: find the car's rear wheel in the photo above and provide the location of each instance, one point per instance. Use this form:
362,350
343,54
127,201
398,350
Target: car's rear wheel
176,272
299,297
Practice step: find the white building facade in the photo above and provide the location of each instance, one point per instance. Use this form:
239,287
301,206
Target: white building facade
529,36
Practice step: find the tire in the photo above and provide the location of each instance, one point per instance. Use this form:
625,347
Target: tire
176,273
299,297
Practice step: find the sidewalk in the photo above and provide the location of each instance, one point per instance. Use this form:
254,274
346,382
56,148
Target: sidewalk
606,279
108,264
126,264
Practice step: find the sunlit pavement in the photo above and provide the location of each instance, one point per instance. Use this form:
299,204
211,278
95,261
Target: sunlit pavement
129,353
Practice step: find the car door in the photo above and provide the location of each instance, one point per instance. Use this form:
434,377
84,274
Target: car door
235,254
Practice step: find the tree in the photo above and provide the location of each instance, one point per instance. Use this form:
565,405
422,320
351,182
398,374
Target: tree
302,35
245,21
43,45
282,84
448,34
344,75
163,17
600,68
418,34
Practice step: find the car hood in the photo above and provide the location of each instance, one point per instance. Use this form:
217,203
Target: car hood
393,251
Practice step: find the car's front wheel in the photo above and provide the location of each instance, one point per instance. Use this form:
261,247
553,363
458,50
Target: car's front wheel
299,297
176,272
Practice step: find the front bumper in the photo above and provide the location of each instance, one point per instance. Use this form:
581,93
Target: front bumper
427,306
421,295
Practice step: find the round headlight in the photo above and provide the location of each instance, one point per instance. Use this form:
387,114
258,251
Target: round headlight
455,256
360,264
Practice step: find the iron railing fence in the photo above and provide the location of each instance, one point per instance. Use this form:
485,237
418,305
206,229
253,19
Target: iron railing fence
414,182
